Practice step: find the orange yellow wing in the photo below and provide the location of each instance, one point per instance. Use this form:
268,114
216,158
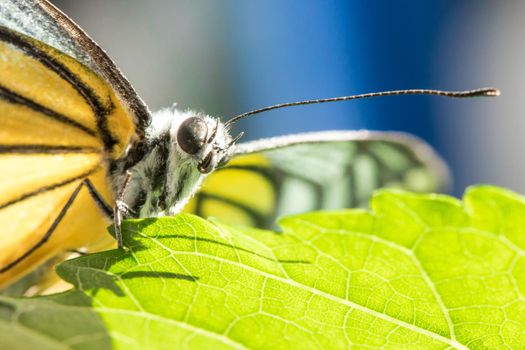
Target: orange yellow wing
60,124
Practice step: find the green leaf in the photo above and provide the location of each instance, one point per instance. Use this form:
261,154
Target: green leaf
418,271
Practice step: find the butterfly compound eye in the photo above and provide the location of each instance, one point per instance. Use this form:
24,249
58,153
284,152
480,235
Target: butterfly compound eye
191,135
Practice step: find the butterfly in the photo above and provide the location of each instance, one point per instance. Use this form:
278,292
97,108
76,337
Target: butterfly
79,148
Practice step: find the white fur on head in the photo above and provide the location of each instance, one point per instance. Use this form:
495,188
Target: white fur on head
167,177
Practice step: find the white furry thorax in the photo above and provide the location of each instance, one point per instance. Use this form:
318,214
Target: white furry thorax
164,180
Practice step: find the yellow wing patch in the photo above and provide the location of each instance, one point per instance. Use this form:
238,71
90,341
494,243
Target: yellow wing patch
227,212
28,77
23,126
57,87
240,193
24,174
26,222
60,124
236,183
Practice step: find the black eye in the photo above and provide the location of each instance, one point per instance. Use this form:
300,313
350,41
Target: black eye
192,135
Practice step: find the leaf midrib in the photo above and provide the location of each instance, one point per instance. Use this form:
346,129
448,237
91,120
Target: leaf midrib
317,292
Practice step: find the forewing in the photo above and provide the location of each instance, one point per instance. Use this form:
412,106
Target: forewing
328,170
26,221
60,124
41,20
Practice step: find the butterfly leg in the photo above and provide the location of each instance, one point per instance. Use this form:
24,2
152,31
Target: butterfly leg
49,232
120,208
117,213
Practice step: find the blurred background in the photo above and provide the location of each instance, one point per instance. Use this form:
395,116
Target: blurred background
227,57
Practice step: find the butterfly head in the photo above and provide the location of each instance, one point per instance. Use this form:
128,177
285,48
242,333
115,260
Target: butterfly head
183,148
206,140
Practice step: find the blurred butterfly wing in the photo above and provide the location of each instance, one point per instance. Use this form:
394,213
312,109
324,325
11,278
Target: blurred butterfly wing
60,124
41,20
327,170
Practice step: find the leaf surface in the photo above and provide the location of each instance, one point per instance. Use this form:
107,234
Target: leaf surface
418,271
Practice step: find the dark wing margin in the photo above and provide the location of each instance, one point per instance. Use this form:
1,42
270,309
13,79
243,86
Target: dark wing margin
43,21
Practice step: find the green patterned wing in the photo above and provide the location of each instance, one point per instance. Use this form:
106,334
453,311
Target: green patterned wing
272,177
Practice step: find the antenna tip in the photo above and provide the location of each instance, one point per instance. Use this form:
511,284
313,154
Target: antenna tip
492,92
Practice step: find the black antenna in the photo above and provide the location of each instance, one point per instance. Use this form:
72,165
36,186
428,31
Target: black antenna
455,94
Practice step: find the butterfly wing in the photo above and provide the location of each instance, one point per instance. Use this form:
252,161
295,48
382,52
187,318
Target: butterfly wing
325,170
41,20
60,125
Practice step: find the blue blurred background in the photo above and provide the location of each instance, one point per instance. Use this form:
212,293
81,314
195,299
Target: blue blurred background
227,57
